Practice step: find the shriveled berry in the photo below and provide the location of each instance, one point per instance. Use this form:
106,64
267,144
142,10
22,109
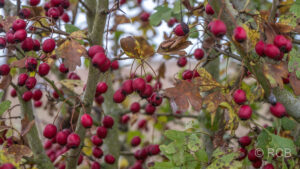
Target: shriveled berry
209,10
181,29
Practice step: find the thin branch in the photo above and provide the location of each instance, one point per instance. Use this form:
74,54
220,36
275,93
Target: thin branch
18,6
273,10
234,56
178,115
85,6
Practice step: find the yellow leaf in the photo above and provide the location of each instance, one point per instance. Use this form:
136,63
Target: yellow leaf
123,163
205,81
78,35
252,34
232,122
71,84
136,47
87,149
285,6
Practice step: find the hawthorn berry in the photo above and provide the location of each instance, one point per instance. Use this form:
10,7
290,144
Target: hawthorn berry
27,96
7,166
61,138
65,17
150,109
10,37
257,163
73,76
22,79
145,16
30,83
147,92
37,95
199,54
108,121
55,2
2,43
101,88
209,10
243,154
97,152
93,50
172,21
31,64
50,131
272,51
109,159
65,4
252,155
245,112
101,132
48,45
96,140
114,65
96,165
125,118
182,61
127,87
218,28
36,45
107,64
135,107
13,93
153,149
155,99
43,69
278,110
99,99
47,144
141,154
135,141
118,96
38,103
142,124
239,34
187,74
63,69
20,35
73,140
139,84
239,96
86,120
181,29
19,24
34,2
99,59
25,13
4,69
148,78
268,166
244,141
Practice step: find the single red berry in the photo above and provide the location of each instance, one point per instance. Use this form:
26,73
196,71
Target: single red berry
36,45
7,166
10,37
96,165
268,166
73,76
257,164
280,41
209,10
245,112
141,154
105,67
288,46
137,165
96,140
2,2
108,121
142,124
61,138
101,88
37,95
55,2
63,69
99,59
286,80
135,107
114,65
30,83
218,28
155,99
38,103
239,96
252,155
47,144
187,75
19,24
4,69
2,43
119,97
147,92
65,17
101,132
99,99
148,78
245,141
181,29
56,95
145,16
139,84
272,51
182,61
97,152
13,93
22,79
135,141
278,110
125,118
47,6
153,149
93,50
150,109
25,13
48,45
199,54
172,22
260,48
20,35
31,64
44,69
80,160
239,34
127,87
73,140
243,154
109,159
65,4
34,2
86,121
50,131
122,2
27,96
53,12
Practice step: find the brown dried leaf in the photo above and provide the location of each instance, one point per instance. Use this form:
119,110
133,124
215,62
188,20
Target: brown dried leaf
174,46
37,11
187,4
26,126
7,22
275,72
205,81
161,70
5,81
71,51
19,63
119,19
208,43
213,100
281,28
295,83
270,32
136,47
297,29
183,94
19,151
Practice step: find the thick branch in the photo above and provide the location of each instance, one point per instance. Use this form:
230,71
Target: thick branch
273,10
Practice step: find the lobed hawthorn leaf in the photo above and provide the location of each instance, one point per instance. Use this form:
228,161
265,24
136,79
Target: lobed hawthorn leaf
295,8
71,51
183,94
136,47
275,72
174,46
71,28
4,106
212,102
205,81
162,13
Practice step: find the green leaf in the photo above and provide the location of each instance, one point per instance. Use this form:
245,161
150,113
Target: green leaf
226,161
294,62
176,9
178,158
162,13
263,140
194,33
288,124
168,149
71,28
285,144
194,143
4,106
1,94
164,165
202,156
176,135
295,8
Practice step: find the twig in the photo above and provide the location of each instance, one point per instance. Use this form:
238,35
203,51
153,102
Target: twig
273,10
178,115
234,56
85,6
126,153
18,6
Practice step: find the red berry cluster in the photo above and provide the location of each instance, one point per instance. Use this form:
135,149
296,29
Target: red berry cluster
239,97
56,9
99,59
7,166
